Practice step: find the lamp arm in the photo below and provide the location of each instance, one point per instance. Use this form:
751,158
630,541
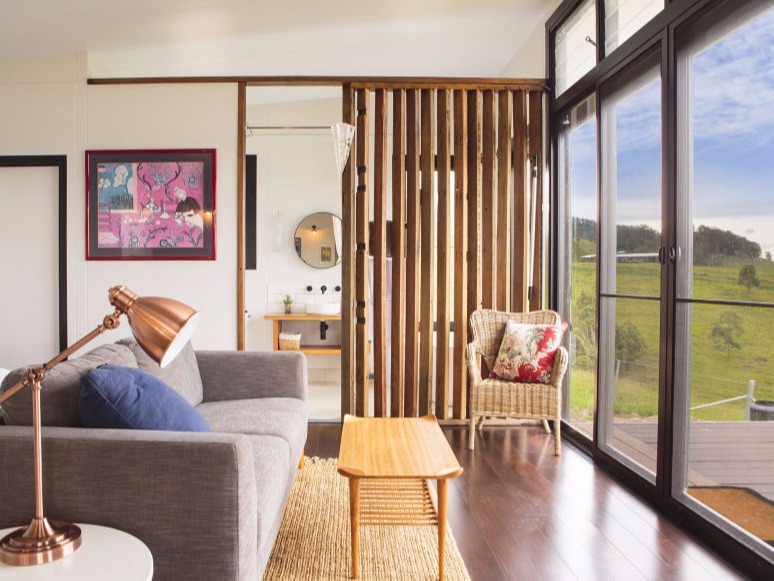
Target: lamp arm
37,374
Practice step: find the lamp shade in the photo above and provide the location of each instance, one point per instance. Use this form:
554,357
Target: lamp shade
161,326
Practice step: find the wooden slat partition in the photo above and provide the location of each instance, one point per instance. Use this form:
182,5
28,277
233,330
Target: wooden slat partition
443,260
361,253
460,307
453,250
411,390
427,251
348,115
379,292
519,239
536,152
398,322
503,198
488,203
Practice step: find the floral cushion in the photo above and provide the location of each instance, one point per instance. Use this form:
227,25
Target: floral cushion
527,352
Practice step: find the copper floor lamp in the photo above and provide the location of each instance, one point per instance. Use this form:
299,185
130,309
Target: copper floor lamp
162,327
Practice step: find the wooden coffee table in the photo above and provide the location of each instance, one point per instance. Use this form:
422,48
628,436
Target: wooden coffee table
388,462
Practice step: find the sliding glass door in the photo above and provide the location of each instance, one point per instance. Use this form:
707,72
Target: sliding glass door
630,271
577,171
725,290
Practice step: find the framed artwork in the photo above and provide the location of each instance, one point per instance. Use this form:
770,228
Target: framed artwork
150,205
325,254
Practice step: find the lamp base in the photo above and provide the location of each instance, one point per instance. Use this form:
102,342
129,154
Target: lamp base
41,542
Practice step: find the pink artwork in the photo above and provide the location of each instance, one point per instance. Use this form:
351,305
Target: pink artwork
150,204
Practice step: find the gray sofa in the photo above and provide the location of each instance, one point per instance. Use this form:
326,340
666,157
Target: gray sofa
207,505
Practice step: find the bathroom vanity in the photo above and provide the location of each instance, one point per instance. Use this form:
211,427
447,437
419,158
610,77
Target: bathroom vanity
278,318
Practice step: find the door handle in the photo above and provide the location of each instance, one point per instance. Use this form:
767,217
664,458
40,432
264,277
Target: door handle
674,254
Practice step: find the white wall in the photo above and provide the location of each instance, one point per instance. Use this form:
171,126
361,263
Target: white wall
529,60
40,101
297,176
174,116
46,108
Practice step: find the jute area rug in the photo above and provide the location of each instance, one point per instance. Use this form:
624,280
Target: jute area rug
313,541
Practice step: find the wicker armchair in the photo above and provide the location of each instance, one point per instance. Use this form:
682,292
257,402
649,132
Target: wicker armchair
493,397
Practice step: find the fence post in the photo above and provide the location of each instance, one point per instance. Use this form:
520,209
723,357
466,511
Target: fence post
750,399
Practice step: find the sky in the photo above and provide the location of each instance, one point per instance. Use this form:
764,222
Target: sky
732,120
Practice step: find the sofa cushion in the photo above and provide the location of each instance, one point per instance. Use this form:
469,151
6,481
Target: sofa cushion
61,388
132,399
182,374
282,417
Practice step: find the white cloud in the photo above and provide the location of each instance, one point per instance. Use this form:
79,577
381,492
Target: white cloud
733,87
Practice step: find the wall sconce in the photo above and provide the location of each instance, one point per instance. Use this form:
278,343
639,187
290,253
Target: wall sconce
314,229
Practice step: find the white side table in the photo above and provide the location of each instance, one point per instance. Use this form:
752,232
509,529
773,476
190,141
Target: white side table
104,554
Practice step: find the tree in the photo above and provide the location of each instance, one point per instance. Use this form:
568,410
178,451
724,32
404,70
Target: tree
629,344
768,256
725,332
748,276
584,322
711,246
640,238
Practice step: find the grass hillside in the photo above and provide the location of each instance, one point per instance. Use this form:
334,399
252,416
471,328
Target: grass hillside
718,369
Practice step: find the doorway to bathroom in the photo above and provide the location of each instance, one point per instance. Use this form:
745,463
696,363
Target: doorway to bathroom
297,203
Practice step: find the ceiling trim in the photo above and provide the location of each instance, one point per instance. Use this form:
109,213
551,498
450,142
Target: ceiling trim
357,82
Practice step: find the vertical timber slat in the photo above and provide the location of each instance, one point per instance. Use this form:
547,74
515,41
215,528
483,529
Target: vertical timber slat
427,252
397,355
348,264
502,277
520,195
536,152
413,289
443,224
380,253
461,315
361,254
474,202
488,204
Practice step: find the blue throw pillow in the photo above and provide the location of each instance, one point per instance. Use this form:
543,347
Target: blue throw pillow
124,398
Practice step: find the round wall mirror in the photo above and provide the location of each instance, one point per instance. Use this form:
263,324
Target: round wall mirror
318,240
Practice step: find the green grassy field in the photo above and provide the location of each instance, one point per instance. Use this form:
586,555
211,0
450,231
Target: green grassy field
715,373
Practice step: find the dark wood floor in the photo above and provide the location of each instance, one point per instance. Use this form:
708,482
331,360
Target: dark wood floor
519,512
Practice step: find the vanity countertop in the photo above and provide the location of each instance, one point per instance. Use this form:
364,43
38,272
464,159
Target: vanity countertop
301,317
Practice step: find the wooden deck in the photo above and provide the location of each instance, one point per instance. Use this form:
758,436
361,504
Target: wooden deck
721,453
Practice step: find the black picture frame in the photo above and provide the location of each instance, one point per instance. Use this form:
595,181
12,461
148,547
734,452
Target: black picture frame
150,204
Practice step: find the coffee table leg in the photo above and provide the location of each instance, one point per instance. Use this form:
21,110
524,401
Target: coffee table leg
443,496
354,519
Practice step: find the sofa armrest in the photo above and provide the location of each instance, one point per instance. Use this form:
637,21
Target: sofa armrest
230,375
190,497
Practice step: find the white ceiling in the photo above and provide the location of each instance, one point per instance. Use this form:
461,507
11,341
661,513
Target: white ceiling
135,38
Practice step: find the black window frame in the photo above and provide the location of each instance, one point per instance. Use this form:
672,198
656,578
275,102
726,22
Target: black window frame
658,34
